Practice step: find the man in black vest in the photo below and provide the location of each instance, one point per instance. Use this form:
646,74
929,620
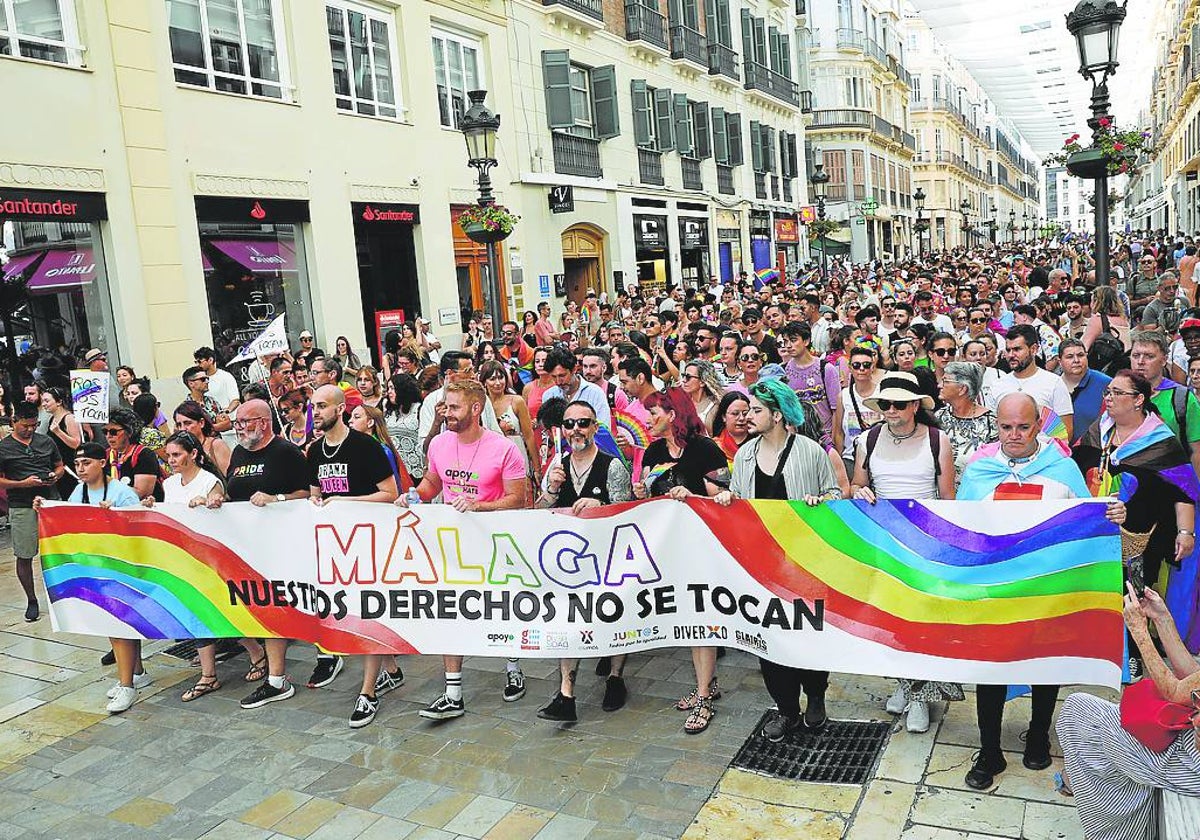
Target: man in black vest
586,478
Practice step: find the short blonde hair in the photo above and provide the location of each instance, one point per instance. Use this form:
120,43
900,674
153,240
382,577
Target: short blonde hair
469,388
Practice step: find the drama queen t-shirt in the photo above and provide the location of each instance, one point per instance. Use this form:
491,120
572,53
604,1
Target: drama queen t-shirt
475,470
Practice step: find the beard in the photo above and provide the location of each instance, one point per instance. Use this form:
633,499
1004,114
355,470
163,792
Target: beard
578,443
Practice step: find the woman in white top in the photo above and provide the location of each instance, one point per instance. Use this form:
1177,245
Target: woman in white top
189,484
699,380
852,414
908,457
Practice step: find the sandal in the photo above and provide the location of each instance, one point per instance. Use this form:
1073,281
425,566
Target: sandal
700,717
1060,785
205,685
686,704
258,670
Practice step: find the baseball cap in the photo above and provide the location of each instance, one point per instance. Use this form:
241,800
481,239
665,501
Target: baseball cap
92,450
1189,324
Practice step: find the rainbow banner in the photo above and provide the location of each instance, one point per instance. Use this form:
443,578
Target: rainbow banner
993,592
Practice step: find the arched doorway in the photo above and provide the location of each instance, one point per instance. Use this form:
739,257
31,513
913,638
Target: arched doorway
583,261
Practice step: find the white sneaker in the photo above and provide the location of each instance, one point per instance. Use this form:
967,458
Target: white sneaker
918,717
140,681
897,702
124,697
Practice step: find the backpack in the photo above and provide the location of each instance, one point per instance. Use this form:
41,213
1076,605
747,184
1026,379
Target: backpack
1179,398
935,448
1107,354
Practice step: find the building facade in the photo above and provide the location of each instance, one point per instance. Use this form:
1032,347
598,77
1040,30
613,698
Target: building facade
1068,201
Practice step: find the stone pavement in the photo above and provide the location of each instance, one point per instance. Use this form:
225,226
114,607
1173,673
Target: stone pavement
166,769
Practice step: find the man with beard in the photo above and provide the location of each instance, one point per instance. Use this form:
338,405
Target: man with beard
1047,390
348,464
588,478
472,469
265,469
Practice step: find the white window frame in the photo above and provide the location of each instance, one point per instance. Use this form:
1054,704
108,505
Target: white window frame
286,88
388,20
582,128
460,40
70,27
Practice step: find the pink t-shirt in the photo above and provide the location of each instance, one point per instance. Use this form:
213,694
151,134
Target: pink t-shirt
475,470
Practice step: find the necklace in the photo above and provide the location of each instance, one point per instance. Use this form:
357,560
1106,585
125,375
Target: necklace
579,478
325,449
898,439
458,458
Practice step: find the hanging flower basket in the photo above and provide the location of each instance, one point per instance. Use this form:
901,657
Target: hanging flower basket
1087,163
487,223
1114,152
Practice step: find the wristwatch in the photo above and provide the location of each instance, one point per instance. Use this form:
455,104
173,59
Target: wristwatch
1184,532
279,497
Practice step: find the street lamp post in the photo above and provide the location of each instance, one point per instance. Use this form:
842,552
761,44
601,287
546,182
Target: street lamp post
479,126
992,223
1012,226
819,179
1096,25
922,224
964,207
1024,228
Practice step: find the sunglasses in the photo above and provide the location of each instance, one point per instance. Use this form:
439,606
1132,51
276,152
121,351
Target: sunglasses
749,357
899,405
979,320
582,423
687,377
199,378
112,432
862,365
942,351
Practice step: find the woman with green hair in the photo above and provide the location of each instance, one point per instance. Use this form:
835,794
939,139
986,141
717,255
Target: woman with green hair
777,463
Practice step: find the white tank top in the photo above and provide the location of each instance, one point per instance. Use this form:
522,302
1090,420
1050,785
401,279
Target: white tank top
911,478
851,428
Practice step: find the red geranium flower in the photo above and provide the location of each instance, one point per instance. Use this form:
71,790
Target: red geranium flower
1104,122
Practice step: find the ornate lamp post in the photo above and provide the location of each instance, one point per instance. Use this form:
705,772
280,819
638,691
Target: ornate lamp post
964,207
1024,227
479,126
819,179
922,224
1096,25
1012,226
992,223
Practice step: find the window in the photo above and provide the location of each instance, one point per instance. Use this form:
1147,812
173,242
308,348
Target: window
360,43
456,69
41,29
234,46
580,100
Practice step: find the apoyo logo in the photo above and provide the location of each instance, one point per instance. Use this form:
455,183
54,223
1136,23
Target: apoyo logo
257,211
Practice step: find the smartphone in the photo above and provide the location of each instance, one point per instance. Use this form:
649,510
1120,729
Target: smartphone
1137,575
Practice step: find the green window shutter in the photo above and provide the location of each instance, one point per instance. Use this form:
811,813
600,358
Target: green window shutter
683,125
793,156
785,55
747,35
756,150
556,75
712,25
768,146
604,101
674,13
733,125
720,136
643,133
664,119
700,121
784,166
760,41
773,47
724,29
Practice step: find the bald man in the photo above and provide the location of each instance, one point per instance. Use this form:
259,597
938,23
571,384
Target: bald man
1022,465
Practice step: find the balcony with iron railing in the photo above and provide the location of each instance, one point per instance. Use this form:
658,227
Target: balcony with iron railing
762,78
909,141
693,177
574,155
841,118
689,44
723,61
898,70
806,101
650,169
591,8
874,51
725,180
643,23
850,39
881,127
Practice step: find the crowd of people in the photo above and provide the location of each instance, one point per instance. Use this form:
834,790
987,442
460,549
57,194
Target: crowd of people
995,373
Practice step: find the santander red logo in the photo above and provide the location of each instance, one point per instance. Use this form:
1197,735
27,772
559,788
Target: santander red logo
369,214
257,211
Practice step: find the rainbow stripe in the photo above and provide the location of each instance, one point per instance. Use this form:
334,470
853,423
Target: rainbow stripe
166,581
898,574
639,433
1053,426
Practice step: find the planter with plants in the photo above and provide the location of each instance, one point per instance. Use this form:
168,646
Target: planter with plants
487,222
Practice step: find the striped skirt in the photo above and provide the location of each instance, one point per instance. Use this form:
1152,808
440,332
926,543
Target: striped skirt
1114,776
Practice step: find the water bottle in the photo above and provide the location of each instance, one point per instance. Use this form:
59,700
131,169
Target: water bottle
414,498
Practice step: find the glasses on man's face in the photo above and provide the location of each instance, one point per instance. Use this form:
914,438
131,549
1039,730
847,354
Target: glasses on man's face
899,405
199,378
862,365
242,424
749,319
749,357
582,423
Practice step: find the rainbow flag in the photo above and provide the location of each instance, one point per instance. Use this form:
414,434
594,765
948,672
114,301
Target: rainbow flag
1054,428
639,432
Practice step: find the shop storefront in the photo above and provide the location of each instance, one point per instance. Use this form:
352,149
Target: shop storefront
56,294
729,244
387,263
652,254
760,240
787,244
694,258
255,269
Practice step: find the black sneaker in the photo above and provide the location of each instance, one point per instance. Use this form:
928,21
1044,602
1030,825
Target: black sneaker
560,709
615,694
364,711
603,666
267,693
109,658
32,611
328,667
443,708
388,681
514,686
1037,752
780,727
982,774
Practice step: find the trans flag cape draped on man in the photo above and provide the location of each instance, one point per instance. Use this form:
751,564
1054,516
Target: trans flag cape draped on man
967,591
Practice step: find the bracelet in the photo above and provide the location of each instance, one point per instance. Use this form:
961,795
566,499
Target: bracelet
1184,532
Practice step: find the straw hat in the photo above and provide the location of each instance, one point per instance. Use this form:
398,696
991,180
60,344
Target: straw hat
898,386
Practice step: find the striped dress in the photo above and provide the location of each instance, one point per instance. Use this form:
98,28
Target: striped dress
1114,776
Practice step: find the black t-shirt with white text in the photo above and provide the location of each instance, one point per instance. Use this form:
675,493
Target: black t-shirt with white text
352,468
279,467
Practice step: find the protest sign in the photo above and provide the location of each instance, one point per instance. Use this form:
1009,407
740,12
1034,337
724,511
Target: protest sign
89,395
273,339
989,592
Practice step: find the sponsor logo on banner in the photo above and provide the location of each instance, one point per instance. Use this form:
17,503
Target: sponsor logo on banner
531,640
558,641
625,638
500,639
587,637
754,642
700,632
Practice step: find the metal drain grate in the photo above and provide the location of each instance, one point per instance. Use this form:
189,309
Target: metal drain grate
186,650
844,752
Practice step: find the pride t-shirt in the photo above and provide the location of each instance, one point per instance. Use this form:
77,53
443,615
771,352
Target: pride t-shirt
475,470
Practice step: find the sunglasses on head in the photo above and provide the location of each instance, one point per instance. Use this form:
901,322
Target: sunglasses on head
582,423
899,405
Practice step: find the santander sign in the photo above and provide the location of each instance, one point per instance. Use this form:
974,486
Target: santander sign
27,206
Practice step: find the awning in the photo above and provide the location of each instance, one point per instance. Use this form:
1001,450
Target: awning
63,271
20,264
259,256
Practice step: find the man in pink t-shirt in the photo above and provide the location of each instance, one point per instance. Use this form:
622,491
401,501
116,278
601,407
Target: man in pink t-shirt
473,469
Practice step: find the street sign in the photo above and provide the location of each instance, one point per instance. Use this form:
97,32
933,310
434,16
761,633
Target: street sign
562,199
860,221
869,206
544,285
